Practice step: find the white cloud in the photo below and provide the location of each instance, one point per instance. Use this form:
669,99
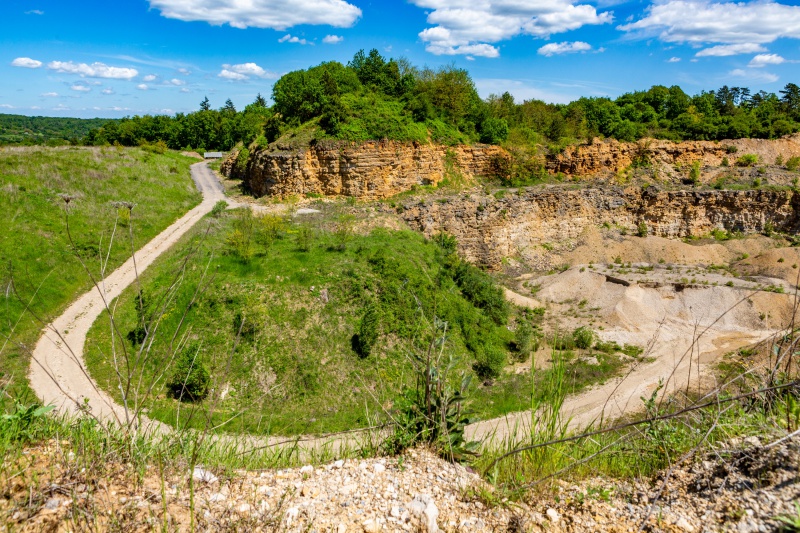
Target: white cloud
185,90
472,27
755,75
142,87
708,21
724,50
35,12
674,60
176,82
332,39
50,95
184,71
230,75
107,90
95,70
245,71
275,14
762,60
522,90
288,38
149,78
80,88
26,62
7,106
552,49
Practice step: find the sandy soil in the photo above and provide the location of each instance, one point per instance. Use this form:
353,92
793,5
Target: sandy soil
686,328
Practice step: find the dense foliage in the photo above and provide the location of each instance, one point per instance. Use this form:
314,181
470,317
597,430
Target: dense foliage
377,98
19,129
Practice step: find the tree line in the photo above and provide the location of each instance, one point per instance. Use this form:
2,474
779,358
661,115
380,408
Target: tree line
372,97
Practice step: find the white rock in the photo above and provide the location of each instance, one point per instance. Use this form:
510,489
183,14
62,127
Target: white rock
217,497
201,474
263,506
395,512
341,528
244,508
347,489
552,514
371,526
378,468
430,516
338,464
419,503
308,469
684,525
291,514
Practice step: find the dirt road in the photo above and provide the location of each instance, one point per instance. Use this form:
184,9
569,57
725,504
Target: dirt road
58,373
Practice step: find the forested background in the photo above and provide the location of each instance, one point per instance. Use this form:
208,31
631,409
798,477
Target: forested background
377,98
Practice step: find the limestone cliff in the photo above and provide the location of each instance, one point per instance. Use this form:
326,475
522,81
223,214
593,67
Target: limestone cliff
489,229
369,170
611,155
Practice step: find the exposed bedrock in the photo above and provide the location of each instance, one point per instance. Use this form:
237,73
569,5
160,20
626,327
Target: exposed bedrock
489,229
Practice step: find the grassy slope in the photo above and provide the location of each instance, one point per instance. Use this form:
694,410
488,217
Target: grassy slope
294,369
34,249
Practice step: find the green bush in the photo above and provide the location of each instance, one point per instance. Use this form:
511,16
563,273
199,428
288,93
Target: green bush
584,338
219,208
494,131
793,163
489,363
694,173
240,239
482,291
241,161
641,229
190,379
368,328
564,341
525,340
747,160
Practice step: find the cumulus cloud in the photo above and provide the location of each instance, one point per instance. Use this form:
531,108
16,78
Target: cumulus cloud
26,62
149,78
275,14
754,75
471,28
107,90
176,82
552,49
245,71
762,60
724,50
332,39
7,106
35,12
142,87
80,88
184,71
708,21
95,70
288,38
50,95
185,90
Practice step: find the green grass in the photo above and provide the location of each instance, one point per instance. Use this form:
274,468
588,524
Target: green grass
39,266
294,368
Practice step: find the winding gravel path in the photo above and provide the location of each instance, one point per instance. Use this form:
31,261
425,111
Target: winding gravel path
58,372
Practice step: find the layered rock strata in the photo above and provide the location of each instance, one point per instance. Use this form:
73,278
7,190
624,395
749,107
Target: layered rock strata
369,170
489,229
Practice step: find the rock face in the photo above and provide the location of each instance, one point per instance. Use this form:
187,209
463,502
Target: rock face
369,170
489,229
611,155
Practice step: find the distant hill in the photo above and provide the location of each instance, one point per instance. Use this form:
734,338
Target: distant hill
19,129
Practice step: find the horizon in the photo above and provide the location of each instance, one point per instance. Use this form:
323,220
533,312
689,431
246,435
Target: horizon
66,61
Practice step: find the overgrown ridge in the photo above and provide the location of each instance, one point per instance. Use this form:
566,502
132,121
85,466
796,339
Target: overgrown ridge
605,297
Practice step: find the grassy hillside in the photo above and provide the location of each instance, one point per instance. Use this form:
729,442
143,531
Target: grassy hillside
305,326
40,265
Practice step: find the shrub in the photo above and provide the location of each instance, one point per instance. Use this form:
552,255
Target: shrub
304,238
241,162
747,160
481,290
583,337
489,362
269,228
793,163
367,333
240,240
564,341
494,131
694,173
725,162
641,229
219,208
190,379
525,340
779,160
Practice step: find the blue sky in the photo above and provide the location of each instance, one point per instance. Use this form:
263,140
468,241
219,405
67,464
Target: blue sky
110,59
